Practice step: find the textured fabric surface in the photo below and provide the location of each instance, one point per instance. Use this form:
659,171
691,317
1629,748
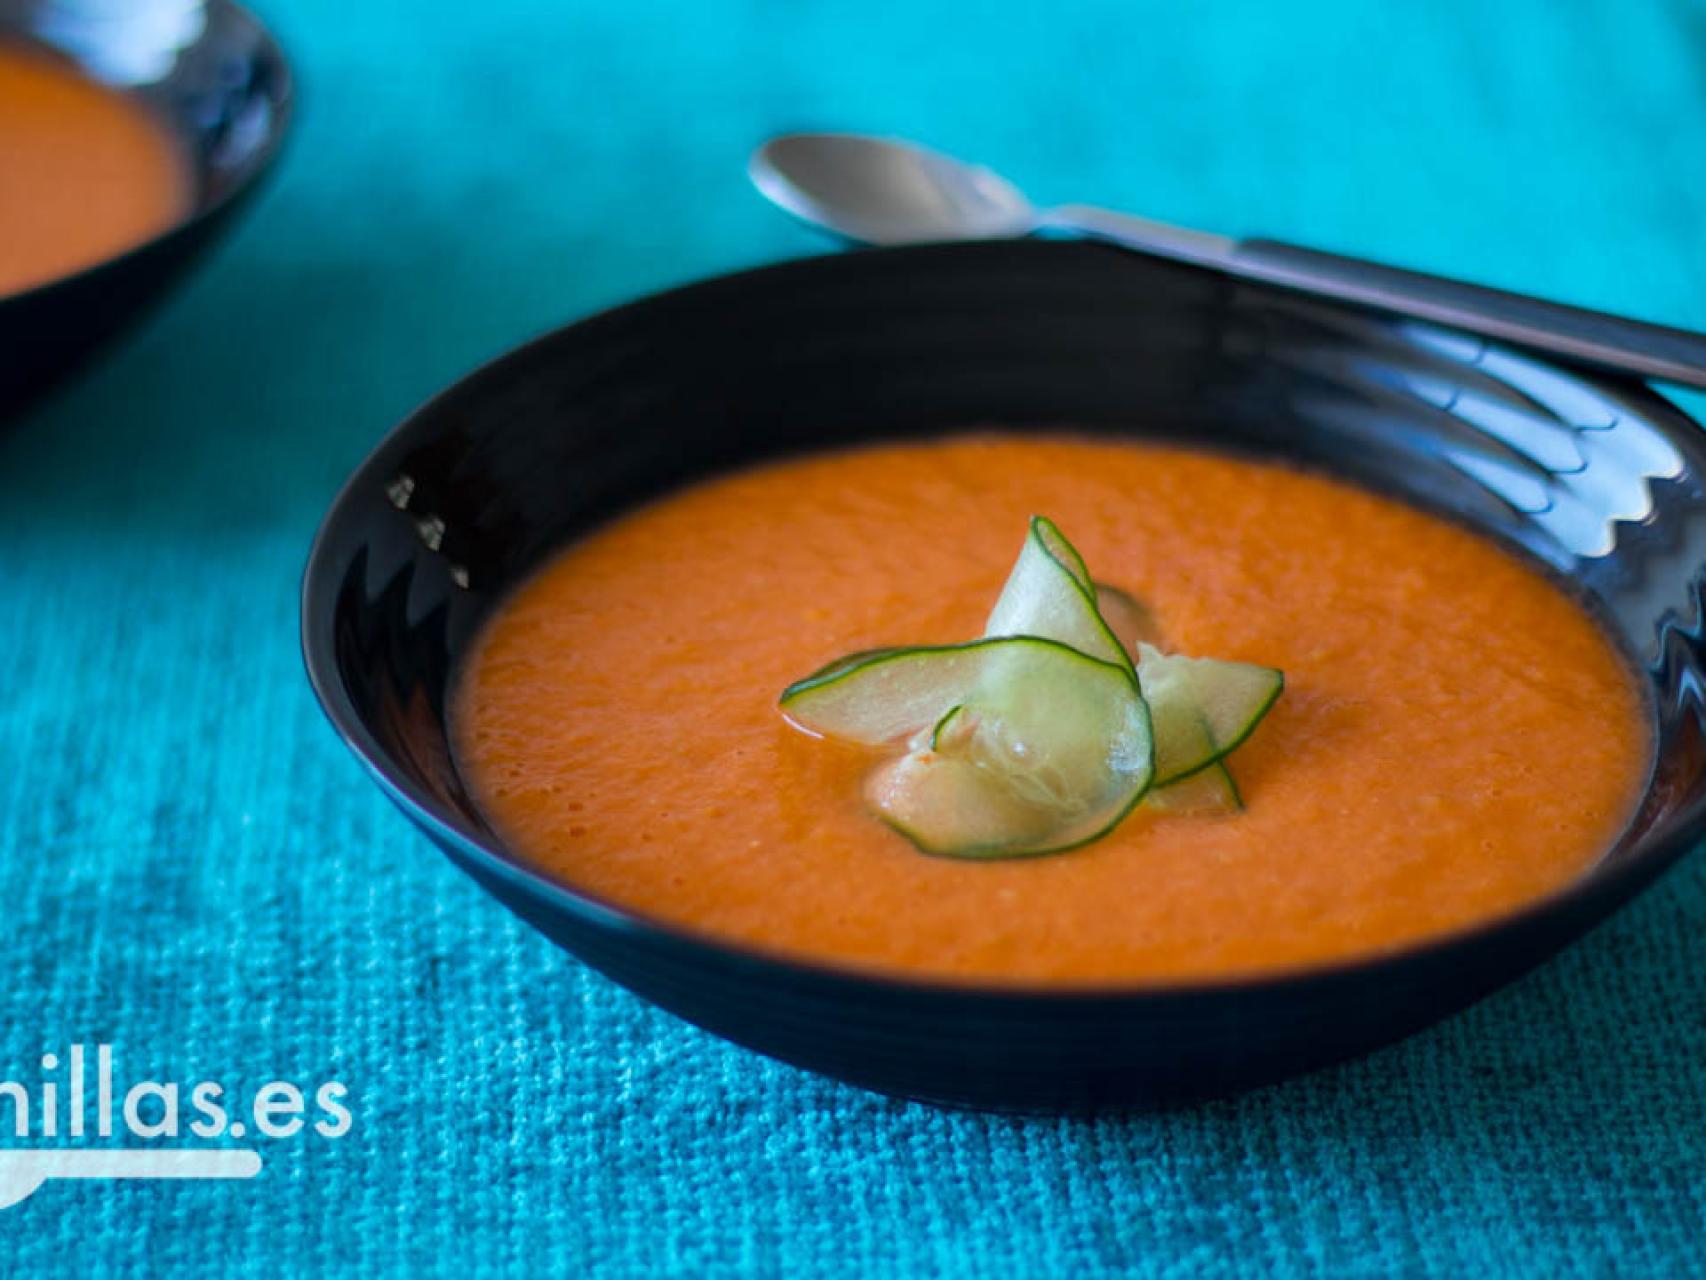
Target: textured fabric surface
194,870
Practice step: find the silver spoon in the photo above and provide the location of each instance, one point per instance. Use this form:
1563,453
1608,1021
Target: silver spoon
886,191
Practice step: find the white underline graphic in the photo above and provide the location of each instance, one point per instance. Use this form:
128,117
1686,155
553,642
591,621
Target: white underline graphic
23,1172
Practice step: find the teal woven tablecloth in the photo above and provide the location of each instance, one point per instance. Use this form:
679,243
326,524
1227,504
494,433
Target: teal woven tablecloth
193,870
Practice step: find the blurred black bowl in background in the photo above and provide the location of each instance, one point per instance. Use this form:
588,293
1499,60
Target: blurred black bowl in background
211,73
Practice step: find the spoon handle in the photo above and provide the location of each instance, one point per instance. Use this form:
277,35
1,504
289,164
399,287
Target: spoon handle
1592,337
1575,333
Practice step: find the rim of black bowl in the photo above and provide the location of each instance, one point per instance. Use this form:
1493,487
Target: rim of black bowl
202,209
319,591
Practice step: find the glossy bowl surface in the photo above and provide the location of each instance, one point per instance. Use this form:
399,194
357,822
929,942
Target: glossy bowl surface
213,76
1600,480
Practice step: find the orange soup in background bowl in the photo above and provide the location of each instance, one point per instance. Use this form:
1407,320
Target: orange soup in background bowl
129,136
89,173
556,611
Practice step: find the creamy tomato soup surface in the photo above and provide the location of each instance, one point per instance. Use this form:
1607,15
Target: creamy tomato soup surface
1457,736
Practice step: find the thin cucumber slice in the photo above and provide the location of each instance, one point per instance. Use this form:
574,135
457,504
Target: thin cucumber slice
1044,734
934,736
950,730
1127,617
956,808
1064,730
1201,709
1036,762
1062,738
1206,793
882,695
1050,594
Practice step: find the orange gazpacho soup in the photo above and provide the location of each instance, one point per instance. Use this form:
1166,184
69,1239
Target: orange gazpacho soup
1457,737
85,173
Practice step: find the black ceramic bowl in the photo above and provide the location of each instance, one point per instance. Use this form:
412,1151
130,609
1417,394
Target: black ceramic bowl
213,76
1599,479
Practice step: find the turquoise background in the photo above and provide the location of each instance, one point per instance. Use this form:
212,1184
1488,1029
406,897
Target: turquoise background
193,868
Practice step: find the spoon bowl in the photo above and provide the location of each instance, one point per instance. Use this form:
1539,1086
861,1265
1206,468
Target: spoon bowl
885,191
